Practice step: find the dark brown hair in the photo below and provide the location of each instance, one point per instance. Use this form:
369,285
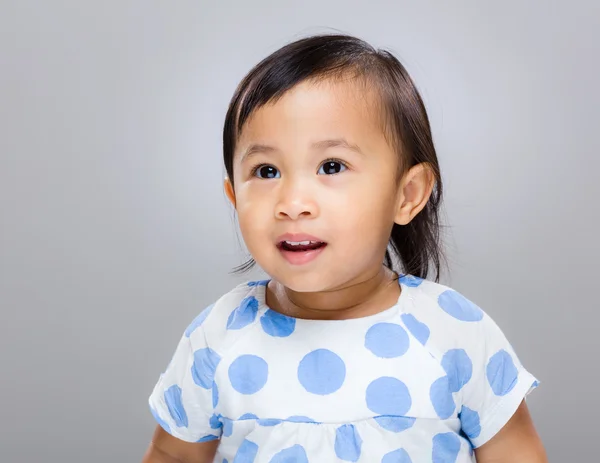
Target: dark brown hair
416,245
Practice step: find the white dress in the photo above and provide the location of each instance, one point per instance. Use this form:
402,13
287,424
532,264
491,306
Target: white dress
426,380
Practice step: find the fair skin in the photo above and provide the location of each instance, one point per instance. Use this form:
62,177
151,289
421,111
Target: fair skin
317,162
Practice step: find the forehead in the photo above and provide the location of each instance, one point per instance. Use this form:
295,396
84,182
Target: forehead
313,110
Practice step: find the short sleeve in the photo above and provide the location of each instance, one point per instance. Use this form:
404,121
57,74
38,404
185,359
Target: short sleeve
498,385
185,395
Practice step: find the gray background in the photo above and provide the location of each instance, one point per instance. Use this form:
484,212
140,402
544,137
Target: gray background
115,231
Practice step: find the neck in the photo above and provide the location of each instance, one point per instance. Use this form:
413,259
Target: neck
368,295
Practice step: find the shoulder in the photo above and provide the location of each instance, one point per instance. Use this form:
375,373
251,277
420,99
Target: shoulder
444,318
230,312
435,300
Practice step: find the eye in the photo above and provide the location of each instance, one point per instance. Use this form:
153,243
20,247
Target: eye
332,167
266,171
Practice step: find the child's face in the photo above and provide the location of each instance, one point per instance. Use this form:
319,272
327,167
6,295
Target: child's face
294,192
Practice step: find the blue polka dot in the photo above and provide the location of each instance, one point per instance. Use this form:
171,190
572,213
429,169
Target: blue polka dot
536,383
459,307
321,372
205,364
207,438
258,283
198,320
446,447
387,340
227,427
348,443
470,424
248,374
300,419
163,424
388,396
397,456
441,398
419,330
277,325
175,406
459,368
246,452
225,460
248,416
268,422
295,454
215,395
395,423
410,280
502,373
215,422
244,314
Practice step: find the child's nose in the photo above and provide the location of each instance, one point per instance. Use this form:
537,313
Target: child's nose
296,201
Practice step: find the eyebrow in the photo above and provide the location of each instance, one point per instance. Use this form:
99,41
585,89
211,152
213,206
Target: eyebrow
316,146
257,148
336,143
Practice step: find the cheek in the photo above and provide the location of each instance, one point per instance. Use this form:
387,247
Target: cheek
366,205
364,227
254,212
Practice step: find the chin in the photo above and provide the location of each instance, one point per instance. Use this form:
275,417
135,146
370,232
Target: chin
303,281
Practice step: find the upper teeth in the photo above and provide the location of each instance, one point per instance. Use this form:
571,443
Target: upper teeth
300,243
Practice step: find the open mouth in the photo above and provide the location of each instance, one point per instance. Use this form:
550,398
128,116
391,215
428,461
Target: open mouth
300,249
300,246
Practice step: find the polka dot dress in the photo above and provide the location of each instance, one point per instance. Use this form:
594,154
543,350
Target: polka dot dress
426,380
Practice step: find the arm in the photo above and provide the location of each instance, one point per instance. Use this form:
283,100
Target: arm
165,448
517,442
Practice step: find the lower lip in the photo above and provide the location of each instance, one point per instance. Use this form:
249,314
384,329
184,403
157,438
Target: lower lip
301,257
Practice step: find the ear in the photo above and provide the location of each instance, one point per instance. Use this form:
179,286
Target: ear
228,187
415,190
